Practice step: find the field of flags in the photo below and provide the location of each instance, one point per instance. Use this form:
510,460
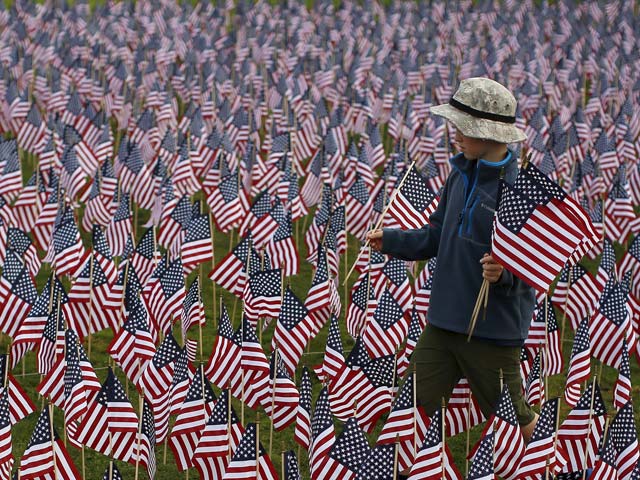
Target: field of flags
158,157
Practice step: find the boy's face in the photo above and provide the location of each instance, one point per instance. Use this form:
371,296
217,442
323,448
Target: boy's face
472,148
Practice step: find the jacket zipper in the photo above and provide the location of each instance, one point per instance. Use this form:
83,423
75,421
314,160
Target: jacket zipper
468,199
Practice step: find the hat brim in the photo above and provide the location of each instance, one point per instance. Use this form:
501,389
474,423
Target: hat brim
481,128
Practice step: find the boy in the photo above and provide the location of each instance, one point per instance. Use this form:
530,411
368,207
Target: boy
459,235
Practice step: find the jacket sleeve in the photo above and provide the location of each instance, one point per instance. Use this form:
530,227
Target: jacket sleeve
420,243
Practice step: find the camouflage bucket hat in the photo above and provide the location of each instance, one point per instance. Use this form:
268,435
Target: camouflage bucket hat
483,108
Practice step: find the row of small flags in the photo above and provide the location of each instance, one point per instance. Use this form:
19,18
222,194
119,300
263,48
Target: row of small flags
278,120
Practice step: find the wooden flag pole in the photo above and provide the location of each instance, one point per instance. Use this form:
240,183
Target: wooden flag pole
141,408
566,301
381,219
91,260
443,453
555,443
228,421
586,445
396,445
213,264
200,320
273,397
415,415
53,441
466,468
481,300
282,461
546,344
258,446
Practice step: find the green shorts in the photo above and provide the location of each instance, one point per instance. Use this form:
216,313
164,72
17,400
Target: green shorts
442,358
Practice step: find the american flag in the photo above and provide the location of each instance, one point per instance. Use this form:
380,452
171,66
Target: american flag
292,332
223,368
605,466
482,467
414,202
543,451
625,440
226,202
416,326
167,296
30,202
463,411
383,334
17,293
534,385
333,361
347,453
229,273
303,412
521,245
253,356
394,275
6,457
184,177
579,364
11,177
622,388
183,377
156,380
291,469
197,247
282,248
609,325
284,398
110,424
322,299
68,251
379,463
434,460
322,433
145,255
581,432
263,295
144,451
102,254
133,345
607,266
259,220
46,456
32,132
359,208
191,420
70,384
250,460
219,440
362,305
193,308
85,311
20,405
576,293
314,235
112,472
544,330
509,445
120,228
51,343
174,222
406,424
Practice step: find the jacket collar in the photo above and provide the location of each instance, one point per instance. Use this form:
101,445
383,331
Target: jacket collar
486,169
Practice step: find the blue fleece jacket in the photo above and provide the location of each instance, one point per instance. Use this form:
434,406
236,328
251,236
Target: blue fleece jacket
459,235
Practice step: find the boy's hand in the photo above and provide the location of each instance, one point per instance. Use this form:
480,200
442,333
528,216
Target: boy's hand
375,239
491,270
